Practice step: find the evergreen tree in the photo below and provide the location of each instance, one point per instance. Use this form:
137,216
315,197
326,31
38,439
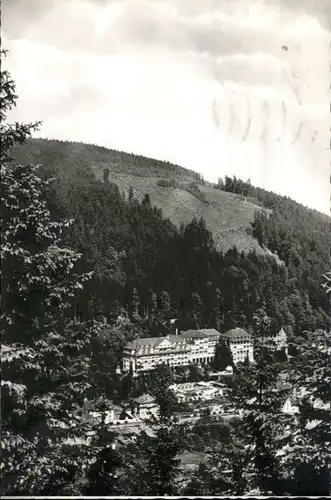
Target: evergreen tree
197,309
157,468
308,442
146,201
152,304
45,351
228,184
44,369
101,477
165,304
257,393
114,310
220,183
218,311
135,304
262,324
233,458
106,175
223,356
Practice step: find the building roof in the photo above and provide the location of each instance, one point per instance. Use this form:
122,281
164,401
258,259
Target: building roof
282,334
144,399
236,334
210,332
91,404
201,333
193,334
147,342
88,404
288,329
153,342
279,339
150,341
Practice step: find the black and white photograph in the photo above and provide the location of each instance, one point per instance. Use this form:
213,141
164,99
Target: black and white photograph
165,248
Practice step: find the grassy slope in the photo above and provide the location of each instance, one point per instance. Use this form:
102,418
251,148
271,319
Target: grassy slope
227,215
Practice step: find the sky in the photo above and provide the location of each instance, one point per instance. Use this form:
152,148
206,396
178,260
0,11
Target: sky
221,87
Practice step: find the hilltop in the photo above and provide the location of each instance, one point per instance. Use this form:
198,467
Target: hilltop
182,194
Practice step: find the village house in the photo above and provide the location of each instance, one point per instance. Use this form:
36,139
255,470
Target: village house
145,407
196,391
277,342
113,414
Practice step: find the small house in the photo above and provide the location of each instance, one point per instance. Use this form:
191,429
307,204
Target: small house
144,407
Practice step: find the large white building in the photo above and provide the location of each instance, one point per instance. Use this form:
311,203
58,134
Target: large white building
193,347
190,347
240,343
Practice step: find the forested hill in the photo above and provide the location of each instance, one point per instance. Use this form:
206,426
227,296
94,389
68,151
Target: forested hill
181,194
152,232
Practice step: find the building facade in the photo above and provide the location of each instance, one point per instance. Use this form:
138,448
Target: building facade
145,407
241,345
197,391
193,347
190,347
277,342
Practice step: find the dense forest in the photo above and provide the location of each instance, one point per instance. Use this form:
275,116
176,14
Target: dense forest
150,271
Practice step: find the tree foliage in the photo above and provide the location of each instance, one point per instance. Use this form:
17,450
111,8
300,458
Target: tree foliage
223,356
154,466
43,352
310,374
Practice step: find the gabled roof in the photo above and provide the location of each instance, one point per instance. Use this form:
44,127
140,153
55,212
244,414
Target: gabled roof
194,334
154,342
165,341
201,333
237,333
145,342
211,332
144,399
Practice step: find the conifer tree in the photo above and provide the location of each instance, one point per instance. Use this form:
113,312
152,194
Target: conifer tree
157,468
309,441
106,175
146,202
165,304
218,311
43,353
197,309
101,477
257,394
152,304
223,356
135,303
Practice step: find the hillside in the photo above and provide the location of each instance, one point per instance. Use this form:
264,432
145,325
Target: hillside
142,262
227,215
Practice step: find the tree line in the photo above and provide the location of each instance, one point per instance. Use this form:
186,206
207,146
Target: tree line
149,271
